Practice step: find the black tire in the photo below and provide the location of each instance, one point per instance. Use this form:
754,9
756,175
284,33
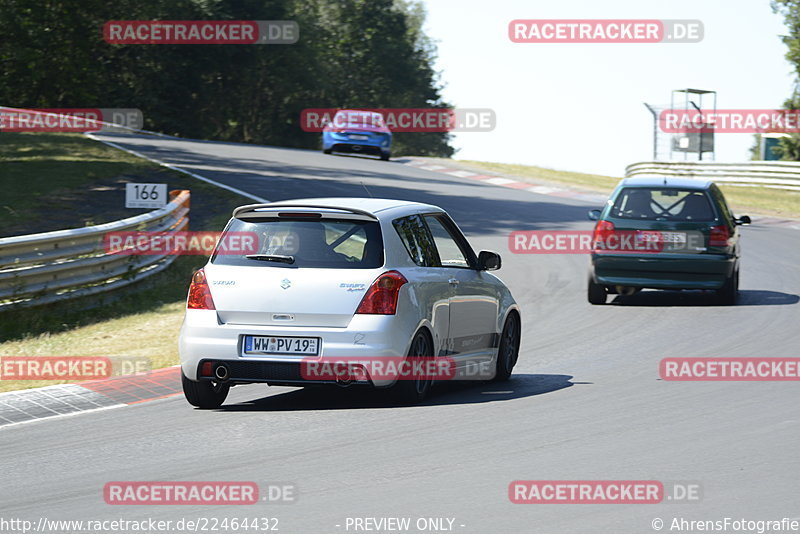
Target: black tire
597,294
508,351
326,150
385,156
728,294
206,394
414,391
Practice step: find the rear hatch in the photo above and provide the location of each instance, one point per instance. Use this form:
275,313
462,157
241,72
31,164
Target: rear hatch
676,221
310,268
271,296
361,126
356,133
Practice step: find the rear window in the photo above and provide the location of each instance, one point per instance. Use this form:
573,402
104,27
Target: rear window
662,204
358,118
321,243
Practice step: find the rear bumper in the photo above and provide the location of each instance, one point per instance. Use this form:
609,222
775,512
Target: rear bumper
359,148
342,143
270,372
663,271
204,338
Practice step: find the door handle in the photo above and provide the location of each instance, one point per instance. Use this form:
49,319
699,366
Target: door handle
453,281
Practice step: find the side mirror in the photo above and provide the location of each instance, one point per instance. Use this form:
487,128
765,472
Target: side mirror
489,261
744,219
594,214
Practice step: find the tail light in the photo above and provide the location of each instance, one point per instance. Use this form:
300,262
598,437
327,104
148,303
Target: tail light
381,297
719,236
200,293
602,231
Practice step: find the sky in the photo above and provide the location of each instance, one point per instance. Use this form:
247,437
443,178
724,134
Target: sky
579,107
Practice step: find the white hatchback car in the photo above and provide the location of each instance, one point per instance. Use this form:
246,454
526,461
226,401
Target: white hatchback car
345,278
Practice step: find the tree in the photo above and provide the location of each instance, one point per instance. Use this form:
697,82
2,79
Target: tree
789,147
351,53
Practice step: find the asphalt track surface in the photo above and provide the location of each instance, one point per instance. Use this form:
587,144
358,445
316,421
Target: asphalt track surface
585,401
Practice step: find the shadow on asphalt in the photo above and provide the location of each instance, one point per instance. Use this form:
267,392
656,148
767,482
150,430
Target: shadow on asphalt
747,297
335,398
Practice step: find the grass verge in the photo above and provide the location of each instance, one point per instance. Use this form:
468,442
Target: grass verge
55,181
141,320
760,200
594,182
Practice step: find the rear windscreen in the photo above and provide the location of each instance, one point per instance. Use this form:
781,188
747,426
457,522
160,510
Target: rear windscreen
319,243
662,204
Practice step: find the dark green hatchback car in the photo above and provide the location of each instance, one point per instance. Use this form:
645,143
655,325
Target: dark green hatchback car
665,233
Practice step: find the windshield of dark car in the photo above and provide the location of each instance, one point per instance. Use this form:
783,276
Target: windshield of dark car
668,204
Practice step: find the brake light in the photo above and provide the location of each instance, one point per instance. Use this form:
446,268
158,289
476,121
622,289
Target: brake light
200,293
381,297
299,215
602,231
719,236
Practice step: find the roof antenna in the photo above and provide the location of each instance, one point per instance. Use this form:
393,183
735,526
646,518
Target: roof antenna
367,190
665,180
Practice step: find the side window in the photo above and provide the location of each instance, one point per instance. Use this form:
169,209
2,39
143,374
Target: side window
417,240
722,205
450,252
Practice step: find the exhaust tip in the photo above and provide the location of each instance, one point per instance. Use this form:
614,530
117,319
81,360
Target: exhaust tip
345,380
626,290
221,372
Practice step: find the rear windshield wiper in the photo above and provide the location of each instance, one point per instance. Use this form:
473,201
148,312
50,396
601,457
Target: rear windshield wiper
271,257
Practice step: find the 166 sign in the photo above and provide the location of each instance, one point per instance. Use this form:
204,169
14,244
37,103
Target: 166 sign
139,195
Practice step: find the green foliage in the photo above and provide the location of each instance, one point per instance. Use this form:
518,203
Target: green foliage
351,53
789,147
755,148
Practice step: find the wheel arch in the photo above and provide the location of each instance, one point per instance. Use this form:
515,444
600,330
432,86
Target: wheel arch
501,323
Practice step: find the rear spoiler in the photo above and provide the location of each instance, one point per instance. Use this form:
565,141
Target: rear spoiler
255,210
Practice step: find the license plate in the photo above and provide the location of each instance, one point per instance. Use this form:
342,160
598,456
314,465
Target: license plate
657,236
359,137
676,238
281,345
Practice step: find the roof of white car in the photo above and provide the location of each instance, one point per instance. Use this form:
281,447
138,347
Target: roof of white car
379,207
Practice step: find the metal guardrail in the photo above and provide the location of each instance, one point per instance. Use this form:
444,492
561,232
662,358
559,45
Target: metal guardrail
772,174
43,268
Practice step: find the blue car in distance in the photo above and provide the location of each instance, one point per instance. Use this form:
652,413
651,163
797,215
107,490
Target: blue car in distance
357,131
